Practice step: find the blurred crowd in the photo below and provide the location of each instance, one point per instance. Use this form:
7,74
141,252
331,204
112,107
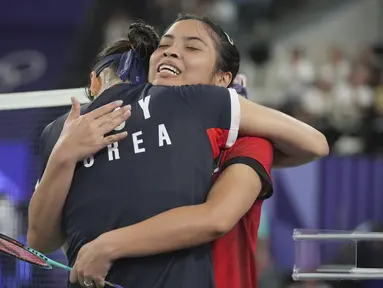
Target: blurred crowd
240,14
343,96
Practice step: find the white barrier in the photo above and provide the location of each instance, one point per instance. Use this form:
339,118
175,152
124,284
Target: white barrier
308,256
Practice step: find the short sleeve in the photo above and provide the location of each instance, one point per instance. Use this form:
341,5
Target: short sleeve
217,107
258,154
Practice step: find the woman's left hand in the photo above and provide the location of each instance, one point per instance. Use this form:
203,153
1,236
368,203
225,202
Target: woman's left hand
92,264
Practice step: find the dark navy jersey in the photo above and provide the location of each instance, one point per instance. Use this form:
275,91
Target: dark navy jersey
165,162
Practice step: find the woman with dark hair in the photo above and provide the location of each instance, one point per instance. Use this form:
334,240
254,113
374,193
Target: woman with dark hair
218,58
141,38
189,47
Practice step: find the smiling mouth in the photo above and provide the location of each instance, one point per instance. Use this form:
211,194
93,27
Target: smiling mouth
168,69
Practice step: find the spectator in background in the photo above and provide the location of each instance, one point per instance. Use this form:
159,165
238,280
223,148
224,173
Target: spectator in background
316,104
295,75
337,68
351,100
370,60
350,106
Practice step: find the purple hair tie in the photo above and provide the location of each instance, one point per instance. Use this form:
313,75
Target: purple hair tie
239,84
131,68
241,90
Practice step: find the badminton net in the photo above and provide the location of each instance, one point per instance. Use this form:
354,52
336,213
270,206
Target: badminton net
23,116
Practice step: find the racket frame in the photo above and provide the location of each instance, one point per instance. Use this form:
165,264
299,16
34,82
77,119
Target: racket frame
50,263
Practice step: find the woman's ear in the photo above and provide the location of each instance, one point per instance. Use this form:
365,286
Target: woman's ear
223,79
95,84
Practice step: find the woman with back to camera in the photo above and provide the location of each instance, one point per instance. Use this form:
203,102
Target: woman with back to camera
101,82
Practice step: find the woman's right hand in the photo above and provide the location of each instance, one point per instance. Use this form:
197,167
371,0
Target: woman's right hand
83,135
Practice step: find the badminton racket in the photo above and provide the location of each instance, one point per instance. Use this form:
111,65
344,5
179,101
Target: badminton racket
21,252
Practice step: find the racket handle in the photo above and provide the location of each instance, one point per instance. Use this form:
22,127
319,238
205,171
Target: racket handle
60,265
113,285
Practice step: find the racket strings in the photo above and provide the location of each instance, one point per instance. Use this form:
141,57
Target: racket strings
7,249
20,253
18,250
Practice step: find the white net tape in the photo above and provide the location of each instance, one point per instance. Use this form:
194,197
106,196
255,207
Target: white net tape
38,99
